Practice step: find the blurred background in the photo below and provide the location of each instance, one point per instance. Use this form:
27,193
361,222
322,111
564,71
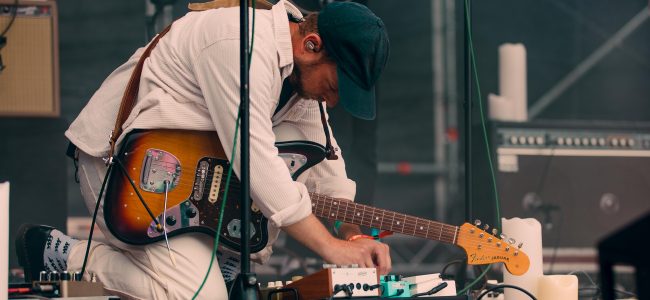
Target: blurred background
587,76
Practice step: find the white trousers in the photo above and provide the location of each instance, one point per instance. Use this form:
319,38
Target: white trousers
144,272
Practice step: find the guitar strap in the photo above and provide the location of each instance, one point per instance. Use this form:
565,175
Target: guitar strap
131,93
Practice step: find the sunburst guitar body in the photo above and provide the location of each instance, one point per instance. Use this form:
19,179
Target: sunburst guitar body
174,181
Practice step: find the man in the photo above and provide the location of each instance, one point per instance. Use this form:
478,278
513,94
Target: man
191,81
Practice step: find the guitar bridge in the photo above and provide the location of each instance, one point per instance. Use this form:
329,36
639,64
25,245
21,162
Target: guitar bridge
158,167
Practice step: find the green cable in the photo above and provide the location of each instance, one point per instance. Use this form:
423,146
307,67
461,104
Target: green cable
487,145
232,158
223,204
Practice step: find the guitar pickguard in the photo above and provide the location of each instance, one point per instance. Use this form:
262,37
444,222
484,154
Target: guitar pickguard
201,209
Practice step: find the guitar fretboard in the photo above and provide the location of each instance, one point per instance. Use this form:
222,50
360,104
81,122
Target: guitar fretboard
359,214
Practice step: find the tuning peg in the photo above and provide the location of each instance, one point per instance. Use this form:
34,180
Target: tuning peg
477,222
503,236
520,245
511,241
495,231
486,227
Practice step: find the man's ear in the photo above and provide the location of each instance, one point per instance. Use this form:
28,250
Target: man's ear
313,43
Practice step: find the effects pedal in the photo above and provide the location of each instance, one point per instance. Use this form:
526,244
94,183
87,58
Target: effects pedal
340,282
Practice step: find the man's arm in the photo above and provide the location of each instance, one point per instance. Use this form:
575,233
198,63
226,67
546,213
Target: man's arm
363,252
329,176
284,202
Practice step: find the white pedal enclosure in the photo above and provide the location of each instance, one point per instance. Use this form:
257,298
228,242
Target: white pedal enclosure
358,278
424,283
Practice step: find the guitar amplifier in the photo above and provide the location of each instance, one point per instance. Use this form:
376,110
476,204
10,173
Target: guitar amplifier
29,82
580,180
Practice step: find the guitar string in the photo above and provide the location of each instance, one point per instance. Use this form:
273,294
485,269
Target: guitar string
410,223
407,225
446,236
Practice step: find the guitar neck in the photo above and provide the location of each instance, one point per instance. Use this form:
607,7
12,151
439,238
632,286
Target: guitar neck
364,215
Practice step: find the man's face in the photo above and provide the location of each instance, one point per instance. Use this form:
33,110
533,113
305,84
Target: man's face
316,80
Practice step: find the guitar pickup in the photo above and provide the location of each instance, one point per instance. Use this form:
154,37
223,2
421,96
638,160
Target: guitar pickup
216,184
200,178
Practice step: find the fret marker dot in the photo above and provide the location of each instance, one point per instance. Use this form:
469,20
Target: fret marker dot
358,214
332,215
421,227
376,218
397,222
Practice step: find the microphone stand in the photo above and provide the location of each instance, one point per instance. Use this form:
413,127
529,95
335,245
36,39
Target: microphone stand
461,276
245,286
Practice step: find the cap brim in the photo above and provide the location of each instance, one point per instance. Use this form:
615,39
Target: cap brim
355,99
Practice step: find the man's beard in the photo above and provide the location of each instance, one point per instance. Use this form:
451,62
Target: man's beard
296,82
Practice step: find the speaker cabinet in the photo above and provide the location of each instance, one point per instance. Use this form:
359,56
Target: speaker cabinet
580,180
29,83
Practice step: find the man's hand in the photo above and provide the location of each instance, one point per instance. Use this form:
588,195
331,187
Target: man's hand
366,253
363,252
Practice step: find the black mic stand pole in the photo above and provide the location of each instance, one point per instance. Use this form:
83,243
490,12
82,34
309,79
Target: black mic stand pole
467,9
245,286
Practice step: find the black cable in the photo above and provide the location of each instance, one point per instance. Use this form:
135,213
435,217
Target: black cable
556,243
625,293
478,272
14,12
398,293
443,273
341,288
137,192
92,224
432,291
502,286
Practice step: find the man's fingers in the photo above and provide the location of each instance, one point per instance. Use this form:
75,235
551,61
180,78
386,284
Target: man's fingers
382,256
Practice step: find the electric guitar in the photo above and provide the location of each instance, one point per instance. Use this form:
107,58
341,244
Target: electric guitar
173,181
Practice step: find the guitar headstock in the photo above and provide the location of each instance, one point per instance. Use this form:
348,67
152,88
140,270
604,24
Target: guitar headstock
486,248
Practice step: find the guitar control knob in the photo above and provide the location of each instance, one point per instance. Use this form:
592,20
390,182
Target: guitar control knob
477,222
171,220
65,276
190,212
54,276
42,276
513,140
560,141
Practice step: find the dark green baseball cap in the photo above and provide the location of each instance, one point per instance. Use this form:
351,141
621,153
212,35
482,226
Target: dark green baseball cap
357,40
